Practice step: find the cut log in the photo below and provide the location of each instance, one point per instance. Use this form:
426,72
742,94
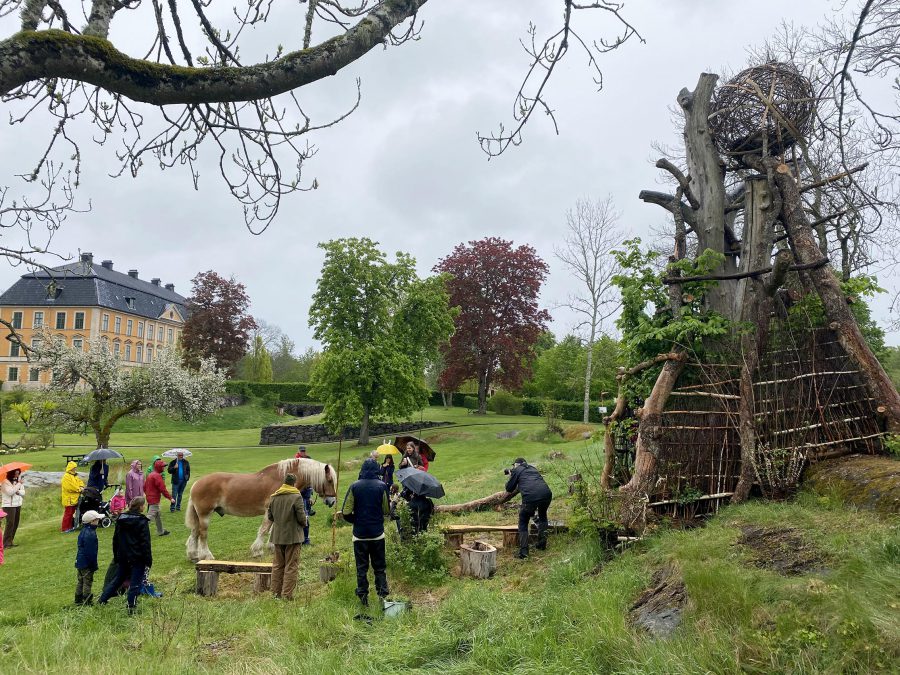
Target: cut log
327,572
476,504
511,540
453,540
207,583
478,560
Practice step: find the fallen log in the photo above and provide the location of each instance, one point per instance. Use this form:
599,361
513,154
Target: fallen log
476,504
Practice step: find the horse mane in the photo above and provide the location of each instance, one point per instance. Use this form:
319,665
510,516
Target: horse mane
310,471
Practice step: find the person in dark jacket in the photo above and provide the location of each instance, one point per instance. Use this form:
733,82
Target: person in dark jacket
132,553
536,496
365,506
387,470
99,475
180,470
420,510
86,558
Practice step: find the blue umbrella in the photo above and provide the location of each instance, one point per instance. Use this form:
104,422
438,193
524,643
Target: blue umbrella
420,482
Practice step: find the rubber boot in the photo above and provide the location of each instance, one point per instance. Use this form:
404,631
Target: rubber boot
88,600
79,599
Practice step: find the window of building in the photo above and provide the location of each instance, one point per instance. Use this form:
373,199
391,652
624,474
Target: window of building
128,352
149,353
13,348
36,343
129,326
159,335
129,303
38,320
33,374
117,349
60,321
171,336
17,319
104,324
118,324
78,343
140,329
12,375
79,320
149,331
139,353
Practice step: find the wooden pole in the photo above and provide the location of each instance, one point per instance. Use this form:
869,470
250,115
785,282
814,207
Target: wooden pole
337,483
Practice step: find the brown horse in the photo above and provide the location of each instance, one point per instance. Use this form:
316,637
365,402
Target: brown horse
247,494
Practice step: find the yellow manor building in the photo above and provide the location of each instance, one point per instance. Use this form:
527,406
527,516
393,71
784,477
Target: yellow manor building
80,301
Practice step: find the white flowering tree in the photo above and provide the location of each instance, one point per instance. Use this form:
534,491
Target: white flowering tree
92,389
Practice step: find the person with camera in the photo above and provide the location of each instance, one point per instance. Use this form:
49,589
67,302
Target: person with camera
536,497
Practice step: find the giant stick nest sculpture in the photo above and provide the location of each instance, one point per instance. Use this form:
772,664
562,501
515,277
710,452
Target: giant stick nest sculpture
764,109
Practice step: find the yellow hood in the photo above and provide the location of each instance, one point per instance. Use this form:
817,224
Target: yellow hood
286,490
72,468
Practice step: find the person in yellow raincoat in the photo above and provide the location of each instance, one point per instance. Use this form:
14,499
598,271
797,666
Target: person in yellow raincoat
71,486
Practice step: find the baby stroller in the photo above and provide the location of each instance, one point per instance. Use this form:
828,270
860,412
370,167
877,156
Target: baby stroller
92,500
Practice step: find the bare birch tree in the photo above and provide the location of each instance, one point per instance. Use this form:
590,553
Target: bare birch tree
591,233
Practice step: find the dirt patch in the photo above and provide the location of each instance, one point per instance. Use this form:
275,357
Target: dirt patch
442,436
660,607
780,549
219,647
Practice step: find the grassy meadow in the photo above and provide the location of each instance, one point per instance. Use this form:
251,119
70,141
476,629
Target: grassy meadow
563,611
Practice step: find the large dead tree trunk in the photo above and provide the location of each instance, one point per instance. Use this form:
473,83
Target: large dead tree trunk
647,448
707,176
834,302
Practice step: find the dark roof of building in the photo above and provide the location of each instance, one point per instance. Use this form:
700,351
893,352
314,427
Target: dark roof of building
85,284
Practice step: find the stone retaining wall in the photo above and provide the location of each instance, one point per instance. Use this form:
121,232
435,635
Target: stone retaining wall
301,409
318,433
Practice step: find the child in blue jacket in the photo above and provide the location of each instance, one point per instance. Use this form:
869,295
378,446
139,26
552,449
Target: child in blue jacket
86,558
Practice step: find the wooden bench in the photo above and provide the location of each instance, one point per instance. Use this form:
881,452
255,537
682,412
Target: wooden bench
208,572
453,534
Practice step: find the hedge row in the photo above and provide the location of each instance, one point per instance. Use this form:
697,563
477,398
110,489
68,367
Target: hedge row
280,391
299,391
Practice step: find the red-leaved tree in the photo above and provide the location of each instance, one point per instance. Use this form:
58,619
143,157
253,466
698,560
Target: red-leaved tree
496,288
218,324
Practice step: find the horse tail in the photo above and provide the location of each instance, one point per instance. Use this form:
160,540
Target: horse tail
191,519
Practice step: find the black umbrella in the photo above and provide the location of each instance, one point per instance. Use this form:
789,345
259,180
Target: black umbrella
424,448
100,453
420,482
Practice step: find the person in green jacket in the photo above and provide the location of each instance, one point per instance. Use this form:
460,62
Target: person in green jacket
288,516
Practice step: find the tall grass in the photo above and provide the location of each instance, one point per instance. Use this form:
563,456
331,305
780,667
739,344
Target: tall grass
563,611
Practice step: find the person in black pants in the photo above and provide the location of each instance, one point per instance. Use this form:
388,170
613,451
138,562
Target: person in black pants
536,497
131,552
365,506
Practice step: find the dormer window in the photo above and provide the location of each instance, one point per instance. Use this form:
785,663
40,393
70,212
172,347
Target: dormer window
129,303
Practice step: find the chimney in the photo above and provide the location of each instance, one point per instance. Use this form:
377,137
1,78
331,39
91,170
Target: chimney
107,264
87,258
170,287
133,274
155,282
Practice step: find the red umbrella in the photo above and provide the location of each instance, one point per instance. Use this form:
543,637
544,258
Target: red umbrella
6,468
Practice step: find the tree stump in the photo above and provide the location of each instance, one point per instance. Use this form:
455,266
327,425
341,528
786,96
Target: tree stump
511,540
262,582
478,560
207,583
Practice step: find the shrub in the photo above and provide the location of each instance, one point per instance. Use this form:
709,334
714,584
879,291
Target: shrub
420,557
283,391
504,403
470,402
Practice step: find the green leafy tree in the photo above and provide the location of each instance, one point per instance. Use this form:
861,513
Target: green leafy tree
259,363
380,326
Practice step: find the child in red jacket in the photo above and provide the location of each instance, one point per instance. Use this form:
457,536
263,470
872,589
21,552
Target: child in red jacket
154,489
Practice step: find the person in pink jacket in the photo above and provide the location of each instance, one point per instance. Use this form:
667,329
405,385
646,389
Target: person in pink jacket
134,482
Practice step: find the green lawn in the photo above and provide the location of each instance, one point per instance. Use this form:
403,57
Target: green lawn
563,611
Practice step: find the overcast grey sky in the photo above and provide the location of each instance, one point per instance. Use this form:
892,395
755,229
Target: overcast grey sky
406,170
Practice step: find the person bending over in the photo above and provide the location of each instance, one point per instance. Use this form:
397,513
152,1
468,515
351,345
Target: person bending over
536,497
